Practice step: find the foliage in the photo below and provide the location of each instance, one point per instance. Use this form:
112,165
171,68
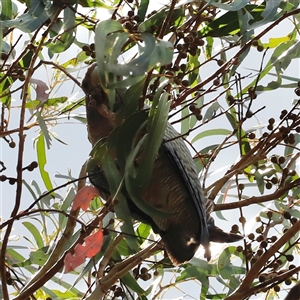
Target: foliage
168,57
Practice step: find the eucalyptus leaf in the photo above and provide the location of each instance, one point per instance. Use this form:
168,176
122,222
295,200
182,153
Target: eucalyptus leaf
232,6
129,281
35,233
34,18
122,139
66,38
142,9
225,267
42,161
131,98
66,204
211,132
115,182
102,30
157,122
211,111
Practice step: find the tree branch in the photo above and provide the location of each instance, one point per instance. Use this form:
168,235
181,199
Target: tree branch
277,194
245,288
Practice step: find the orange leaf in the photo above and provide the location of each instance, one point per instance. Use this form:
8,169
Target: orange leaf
84,197
91,246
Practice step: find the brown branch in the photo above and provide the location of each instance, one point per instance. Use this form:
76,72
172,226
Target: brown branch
9,132
107,256
35,211
27,210
245,288
59,68
120,270
20,153
167,19
267,284
227,65
35,281
258,152
58,264
277,194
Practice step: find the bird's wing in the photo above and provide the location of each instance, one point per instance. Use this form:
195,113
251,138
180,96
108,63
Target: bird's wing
181,158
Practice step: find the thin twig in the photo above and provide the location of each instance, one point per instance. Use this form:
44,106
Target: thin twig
20,153
245,289
258,199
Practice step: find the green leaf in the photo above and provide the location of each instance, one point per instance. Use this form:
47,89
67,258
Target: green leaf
66,38
268,14
42,161
195,272
239,14
280,59
5,89
131,98
134,188
124,250
142,9
35,233
55,101
274,42
259,178
80,57
233,6
211,111
211,132
129,281
6,11
185,123
115,182
232,120
122,139
33,104
44,128
152,53
69,294
36,15
216,296
225,267
145,153
62,219
94,3
142,233
102,30
219,212
39,257
156,127
209,46
209,148
13,256
158,18
193,65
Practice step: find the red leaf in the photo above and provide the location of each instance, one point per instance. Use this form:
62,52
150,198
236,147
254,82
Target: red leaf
91,246
84,197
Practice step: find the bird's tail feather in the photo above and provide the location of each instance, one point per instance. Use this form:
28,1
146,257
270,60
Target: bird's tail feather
216,234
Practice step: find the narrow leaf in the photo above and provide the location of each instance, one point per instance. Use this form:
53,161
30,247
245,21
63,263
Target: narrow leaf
42,161
35,233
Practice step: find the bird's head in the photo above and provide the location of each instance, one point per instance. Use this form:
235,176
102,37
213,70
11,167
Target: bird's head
101,118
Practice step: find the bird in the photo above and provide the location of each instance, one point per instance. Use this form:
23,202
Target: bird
174,185
294,293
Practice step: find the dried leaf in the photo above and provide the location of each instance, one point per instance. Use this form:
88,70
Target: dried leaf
91,246
84,197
